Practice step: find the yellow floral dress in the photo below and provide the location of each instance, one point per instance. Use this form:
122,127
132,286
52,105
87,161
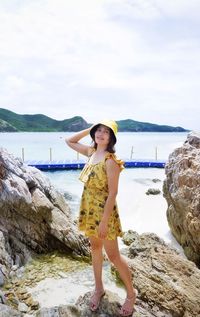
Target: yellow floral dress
93,199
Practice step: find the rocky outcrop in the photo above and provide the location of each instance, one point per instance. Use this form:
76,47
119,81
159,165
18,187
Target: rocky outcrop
109,307
168,283
34,216
182,191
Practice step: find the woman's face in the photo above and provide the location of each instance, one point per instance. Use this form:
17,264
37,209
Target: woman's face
102,135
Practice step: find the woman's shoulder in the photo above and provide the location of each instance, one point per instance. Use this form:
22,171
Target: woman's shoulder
113,156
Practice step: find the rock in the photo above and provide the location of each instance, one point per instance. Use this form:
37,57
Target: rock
168,284
59,311
22,307
15,267
153,191
109,307
182,191
2,298
34,216
156,180
5,255
164,278
6,311
1,278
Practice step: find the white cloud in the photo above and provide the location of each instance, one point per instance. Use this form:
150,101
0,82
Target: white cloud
124,58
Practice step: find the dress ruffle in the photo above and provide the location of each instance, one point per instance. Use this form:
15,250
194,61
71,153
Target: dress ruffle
117,160
86,171
84,175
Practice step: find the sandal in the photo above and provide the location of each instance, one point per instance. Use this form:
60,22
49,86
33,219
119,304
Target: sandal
95,300
127,308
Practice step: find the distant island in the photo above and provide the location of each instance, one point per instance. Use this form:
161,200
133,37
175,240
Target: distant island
13,122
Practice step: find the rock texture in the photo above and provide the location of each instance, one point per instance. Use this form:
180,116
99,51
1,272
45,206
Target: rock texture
167,282
6,311
182,192
34,217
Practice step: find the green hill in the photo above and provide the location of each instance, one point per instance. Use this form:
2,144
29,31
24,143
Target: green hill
40,122
11,121
136,126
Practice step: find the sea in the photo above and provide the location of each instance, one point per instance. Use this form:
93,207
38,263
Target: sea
138,211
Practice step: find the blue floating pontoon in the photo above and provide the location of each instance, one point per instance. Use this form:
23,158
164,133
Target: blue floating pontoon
79,164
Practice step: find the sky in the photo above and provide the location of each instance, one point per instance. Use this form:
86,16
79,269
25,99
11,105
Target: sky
118,59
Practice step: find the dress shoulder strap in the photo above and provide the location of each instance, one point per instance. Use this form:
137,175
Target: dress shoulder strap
117,160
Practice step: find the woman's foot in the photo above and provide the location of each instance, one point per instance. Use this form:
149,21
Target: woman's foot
127,308
95,299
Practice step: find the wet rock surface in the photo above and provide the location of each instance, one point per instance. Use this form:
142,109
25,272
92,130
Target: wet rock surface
168,284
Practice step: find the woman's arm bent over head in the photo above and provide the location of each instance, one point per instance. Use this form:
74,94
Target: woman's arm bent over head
73,142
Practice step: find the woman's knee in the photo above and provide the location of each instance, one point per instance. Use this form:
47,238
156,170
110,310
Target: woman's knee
113,256
95,244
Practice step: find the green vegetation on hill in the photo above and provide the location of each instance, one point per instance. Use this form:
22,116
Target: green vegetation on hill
11,121
40,122
136,126
6,127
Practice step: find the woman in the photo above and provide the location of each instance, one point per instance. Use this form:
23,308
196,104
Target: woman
99,218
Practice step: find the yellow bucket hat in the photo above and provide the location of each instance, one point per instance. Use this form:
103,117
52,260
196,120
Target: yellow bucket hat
108,123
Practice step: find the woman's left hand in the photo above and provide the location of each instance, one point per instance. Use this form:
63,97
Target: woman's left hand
103,229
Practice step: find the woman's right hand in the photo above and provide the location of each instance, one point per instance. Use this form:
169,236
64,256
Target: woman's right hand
103,229
73,142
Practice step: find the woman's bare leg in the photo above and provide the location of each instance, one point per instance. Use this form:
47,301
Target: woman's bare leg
97,263
112,250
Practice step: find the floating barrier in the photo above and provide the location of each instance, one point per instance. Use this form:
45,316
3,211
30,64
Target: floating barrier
79,164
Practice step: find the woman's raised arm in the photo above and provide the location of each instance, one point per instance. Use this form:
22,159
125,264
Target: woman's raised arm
73,142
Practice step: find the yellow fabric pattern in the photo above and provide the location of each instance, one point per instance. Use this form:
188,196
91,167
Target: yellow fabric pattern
93,199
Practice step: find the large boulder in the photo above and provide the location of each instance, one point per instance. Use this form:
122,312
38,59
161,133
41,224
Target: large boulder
34,216
167,282
182,191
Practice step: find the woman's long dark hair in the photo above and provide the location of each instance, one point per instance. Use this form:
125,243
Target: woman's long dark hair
110,147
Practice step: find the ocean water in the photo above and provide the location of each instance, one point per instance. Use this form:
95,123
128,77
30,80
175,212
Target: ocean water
138,211
143,145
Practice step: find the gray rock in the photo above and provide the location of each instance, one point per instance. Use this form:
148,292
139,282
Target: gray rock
6,311
156,180
153,191
22,307
33,214
2,298
167,282
15,267
1,278
59,311
182,191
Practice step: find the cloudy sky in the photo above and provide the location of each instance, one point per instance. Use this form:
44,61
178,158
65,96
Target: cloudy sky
119,59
